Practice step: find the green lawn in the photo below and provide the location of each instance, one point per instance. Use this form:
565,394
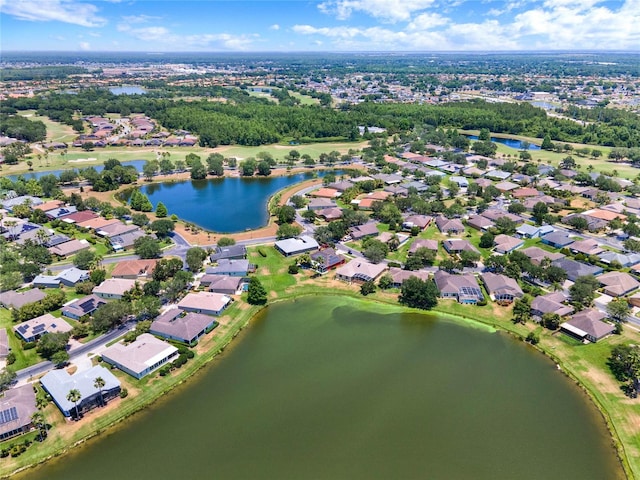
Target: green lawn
24,358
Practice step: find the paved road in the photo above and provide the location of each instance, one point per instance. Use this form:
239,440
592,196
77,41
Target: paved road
101,341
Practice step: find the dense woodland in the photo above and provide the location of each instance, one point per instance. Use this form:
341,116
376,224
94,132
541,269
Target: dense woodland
246,120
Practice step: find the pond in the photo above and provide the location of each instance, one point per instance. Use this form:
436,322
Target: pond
229,204
333,388
509,142
128,90
75,165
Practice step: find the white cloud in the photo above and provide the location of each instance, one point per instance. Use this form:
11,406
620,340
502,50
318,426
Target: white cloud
85,46
275,26
427,21
67,11
136,19
387,10
160,35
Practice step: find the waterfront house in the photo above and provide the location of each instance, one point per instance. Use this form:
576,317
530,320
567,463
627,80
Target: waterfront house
33,329
222,284
551,303
399,276
359,270
58,384
185,327
464,288
587,325
141,357
17,406
208,303
232,268
327,259
501,288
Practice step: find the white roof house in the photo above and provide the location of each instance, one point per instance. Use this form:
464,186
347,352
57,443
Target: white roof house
295,246
139,358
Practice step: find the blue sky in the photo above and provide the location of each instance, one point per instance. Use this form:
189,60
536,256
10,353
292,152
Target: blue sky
326,25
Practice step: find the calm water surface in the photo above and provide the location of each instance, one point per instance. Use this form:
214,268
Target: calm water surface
228,204
509,142
332,388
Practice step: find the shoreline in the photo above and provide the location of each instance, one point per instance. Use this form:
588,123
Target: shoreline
213,354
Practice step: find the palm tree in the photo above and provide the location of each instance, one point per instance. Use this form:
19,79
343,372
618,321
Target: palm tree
99,383
73,396
38,421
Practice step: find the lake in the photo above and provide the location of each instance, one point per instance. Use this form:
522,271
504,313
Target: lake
229,204
338,388
75,166
509,142
127,90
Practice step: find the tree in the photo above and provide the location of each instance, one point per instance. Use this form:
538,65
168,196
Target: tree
287,230
215,164
368,287
140,219
109,315
7,377
248,167
162,227
264,168
51,343
257,295
546,143
618,310
522,310
486,240
578,223
85,259
551,320
540,210
195,257
61,357
374,250
298,201
226,242
99,383
582,292
469,258
149,169
198,170
624,362
286,214
147,247
422,257
74,396
517,208
385,282
161,210
419,293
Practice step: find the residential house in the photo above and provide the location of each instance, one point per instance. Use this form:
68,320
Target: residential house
495,214
330,214
126,241
115,229
399,276
525,192
626,260
61,212
46,281
533,231
464,288
58,384
82,307
420,221
480,223
537,254
33,329
342,185
551,303
114,288
325,193
501,288
229,252
462,182
576,269
296,246
369,229
320,204
557,239
4,343
593,224
222,284
183,327
140,357
423,243
71,247
618,284
451,226
457,245
586,247
232,268
17,406
507,244
79,217
587,325
208,303
504,186
135,269
10,203
70,277
13,299
359,270
327,259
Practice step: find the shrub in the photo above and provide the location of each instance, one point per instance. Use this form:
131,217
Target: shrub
482,302
124,393
293,269
262,252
